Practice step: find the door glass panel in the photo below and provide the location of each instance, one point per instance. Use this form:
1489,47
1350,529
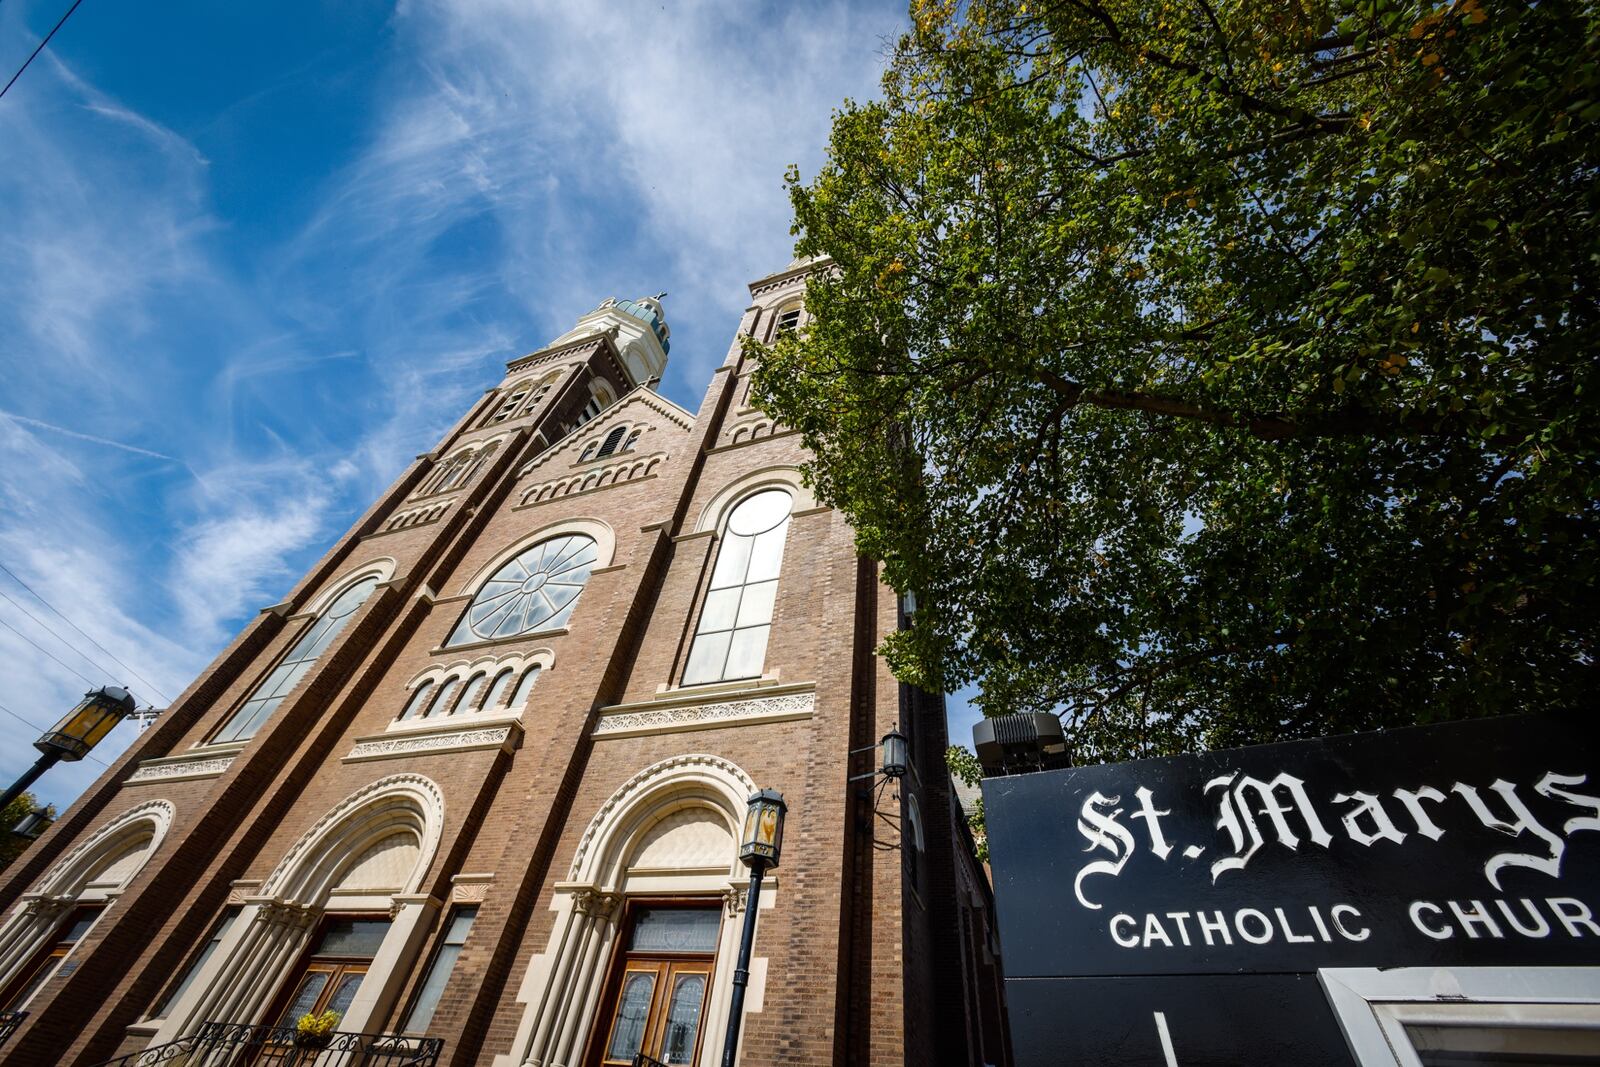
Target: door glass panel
633,1007
353,937
676,930
683,1018
305,998
349,982
1504,1046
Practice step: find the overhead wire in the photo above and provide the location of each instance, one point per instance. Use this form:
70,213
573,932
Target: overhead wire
34,54
46,628
47,652
64,618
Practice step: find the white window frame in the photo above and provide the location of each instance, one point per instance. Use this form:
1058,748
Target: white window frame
1373,1007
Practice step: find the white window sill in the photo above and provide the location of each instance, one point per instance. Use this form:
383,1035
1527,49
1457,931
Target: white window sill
458,721
456,734
531,635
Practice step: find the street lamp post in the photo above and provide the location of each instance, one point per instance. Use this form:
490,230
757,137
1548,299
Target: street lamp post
84,727
759,849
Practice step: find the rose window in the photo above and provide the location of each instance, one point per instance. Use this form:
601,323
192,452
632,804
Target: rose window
535,591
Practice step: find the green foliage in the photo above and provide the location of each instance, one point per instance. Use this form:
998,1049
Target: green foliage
1218,374
964,768
12,845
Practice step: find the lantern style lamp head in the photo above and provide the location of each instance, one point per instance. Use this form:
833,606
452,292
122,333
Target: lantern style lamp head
762,840
33,824
896,754
86,725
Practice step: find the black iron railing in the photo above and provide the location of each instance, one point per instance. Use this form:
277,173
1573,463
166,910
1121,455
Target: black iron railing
641,1060
9,1021
246,1045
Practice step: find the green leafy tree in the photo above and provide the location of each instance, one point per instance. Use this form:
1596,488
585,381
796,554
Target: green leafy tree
12,845
1216,374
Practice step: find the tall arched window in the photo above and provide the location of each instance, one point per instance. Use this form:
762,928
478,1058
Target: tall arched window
418,701
509,406
497,692
469,699
441,703
731,640
524,687
613,439
537,590
301,658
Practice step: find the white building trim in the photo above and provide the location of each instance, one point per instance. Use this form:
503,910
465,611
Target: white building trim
79,878
564,983
275,924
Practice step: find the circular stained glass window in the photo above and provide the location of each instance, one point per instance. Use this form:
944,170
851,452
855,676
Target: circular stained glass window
535,591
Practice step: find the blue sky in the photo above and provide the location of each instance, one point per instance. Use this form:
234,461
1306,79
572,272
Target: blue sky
256,257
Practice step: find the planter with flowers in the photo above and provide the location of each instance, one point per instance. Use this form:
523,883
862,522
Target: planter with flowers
315,1030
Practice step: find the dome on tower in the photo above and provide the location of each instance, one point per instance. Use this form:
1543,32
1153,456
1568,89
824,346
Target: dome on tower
648,308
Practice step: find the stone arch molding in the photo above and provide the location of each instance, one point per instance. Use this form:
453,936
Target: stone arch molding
788,479
694,779
392,805
96,871
563,986
379,567
273,928
605,539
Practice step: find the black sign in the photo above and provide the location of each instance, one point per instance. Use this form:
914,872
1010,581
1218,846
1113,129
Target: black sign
1472,843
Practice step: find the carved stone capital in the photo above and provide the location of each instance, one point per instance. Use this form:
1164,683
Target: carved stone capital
734,899
287,913
596,903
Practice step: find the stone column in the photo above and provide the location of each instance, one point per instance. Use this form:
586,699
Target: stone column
412,916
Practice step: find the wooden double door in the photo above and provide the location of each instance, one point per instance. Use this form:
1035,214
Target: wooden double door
660,984
327,978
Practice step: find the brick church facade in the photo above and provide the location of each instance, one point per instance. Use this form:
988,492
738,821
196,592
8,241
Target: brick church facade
480,777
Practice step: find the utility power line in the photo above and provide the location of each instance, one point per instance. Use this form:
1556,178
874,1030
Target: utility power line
63,616
47,652
46,628
42,43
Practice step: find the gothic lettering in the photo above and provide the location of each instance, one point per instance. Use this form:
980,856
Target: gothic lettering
1103,832
1383,828
1525,823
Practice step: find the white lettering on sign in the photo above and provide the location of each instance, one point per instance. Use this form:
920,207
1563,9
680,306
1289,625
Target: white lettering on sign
1252,814
1524,917
1253,926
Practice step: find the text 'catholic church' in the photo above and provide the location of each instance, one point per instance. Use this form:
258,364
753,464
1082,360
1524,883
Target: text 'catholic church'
480,779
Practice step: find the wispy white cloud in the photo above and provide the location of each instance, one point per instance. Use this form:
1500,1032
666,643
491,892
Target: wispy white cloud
520,162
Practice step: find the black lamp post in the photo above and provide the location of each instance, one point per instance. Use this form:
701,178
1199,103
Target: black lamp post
759,847
84,727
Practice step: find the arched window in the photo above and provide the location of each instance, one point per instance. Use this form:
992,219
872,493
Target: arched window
539,394
509,407
524,687
633,439
589,451
296,665
912,845
536,590
613,439
418,701
441,703
731,640
497,692
469,699
789,319
479,459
